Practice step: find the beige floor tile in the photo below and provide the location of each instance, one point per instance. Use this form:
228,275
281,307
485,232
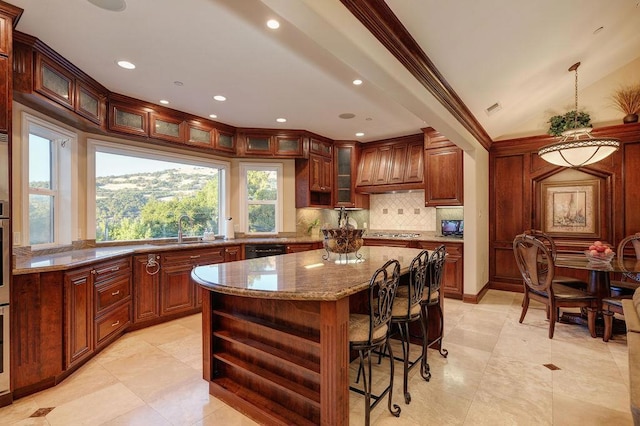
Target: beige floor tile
603,392
573,411
492,376
141,416
227,416
95,408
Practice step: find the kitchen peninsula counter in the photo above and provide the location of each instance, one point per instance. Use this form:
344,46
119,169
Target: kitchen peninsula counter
275,332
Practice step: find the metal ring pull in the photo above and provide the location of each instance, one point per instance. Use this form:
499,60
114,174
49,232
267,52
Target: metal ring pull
151,263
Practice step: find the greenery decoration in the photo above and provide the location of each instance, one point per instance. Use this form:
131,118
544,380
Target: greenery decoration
311,225
627,99
568,121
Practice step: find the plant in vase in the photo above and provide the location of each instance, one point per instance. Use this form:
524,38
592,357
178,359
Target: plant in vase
627,100
313,227
570,120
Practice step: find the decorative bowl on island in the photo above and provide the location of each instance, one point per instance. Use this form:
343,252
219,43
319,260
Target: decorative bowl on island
342,240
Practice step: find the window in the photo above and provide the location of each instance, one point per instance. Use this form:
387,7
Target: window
48,151
142,194
261,208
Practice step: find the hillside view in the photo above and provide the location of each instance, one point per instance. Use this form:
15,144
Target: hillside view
148,205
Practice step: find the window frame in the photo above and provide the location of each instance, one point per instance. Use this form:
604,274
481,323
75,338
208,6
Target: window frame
64,180
156,154
244,201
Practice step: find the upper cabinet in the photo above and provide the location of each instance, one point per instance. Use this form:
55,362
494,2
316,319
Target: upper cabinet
391,165
314,176
346,159
270,143
443,171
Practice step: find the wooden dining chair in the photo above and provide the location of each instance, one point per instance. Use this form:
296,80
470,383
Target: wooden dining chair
630,281
551,246
369,332
537,267
623,288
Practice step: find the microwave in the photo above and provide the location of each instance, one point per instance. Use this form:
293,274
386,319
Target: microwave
452,228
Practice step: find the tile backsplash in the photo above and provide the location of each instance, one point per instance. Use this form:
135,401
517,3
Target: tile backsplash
403,211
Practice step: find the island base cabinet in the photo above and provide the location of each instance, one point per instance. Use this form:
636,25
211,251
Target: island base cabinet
264,356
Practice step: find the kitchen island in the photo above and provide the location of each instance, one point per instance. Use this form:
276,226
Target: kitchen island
275,332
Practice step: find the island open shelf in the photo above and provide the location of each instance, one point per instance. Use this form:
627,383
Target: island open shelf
275,332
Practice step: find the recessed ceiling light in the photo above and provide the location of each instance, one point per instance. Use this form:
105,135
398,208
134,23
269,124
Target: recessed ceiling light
273,24
346,115
357,82
213,116
112,5
281,120
219,98
126,65
178,83
164,102
359,134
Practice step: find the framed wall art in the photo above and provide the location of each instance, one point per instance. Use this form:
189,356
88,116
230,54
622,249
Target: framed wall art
571,208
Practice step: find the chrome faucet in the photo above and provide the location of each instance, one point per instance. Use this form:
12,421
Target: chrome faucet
184,216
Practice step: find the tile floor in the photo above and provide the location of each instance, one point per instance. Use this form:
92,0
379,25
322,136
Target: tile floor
494,375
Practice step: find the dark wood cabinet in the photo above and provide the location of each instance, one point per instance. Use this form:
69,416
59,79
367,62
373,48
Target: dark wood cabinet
394,164
346,159
128,118
321,173
443,171
199,134
178,292
37,351
232,253
267,144
166,127
225,141
321,147
90,103
5,94
78,312
314,182
300,247
53,81
146,276
112,299
453,275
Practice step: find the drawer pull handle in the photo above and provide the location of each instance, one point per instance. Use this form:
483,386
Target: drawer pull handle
102,271
194,257
115,323
115,293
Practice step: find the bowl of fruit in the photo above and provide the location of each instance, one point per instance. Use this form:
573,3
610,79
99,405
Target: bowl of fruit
599,253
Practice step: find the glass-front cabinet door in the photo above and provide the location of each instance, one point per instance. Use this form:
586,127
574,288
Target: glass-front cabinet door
53,81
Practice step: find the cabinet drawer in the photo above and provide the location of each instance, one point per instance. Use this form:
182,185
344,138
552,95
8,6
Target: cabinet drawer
113,323
111,292
107,270
196,257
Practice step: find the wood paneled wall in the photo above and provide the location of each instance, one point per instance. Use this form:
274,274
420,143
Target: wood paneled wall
516,174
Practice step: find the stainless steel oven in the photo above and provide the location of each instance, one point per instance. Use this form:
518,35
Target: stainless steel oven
5,265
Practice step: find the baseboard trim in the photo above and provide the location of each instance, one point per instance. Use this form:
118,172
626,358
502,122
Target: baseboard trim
476,298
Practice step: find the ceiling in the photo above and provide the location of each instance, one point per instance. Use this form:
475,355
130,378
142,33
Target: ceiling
515,53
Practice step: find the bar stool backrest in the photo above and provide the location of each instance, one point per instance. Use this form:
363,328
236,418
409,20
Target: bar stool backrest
634,241
383,287
418,271
436,268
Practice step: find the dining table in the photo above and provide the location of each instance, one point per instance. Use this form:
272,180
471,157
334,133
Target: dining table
599,282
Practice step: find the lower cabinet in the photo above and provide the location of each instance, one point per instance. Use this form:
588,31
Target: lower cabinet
298,247
163,285
97,307
453,275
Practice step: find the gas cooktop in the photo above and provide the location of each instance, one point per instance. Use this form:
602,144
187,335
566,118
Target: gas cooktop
394,234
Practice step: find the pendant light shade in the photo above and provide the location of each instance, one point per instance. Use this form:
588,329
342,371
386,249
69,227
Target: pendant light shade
577,147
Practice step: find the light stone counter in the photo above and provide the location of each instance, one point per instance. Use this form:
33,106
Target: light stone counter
300,276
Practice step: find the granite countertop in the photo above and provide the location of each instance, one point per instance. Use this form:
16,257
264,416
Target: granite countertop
75,258
300,276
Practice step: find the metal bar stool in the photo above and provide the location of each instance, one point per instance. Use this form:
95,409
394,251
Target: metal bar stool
371,331
431,297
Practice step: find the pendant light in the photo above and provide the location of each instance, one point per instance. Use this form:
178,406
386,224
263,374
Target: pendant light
577,147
